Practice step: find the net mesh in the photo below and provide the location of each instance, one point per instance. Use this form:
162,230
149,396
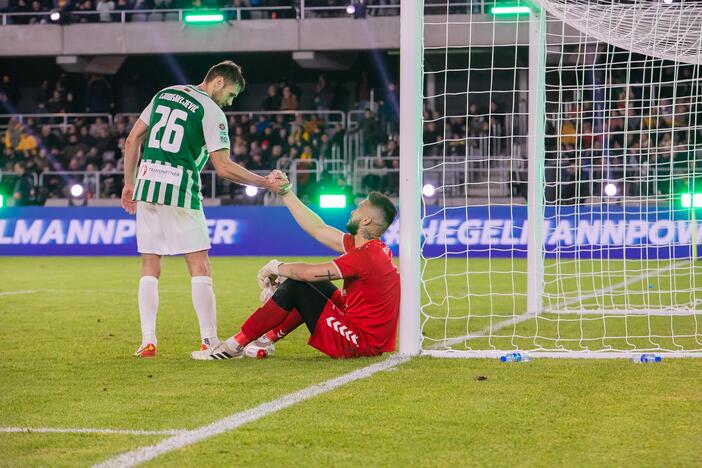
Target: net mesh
623,144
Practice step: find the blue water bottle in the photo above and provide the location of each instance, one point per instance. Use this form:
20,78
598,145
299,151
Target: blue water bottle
646,358
515,357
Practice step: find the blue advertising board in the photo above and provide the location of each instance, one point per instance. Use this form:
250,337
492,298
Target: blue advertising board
479,231
268,231
568,232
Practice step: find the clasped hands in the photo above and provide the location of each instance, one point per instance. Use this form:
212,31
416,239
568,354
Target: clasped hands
278,182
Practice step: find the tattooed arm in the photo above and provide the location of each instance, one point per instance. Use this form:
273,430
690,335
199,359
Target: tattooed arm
310,272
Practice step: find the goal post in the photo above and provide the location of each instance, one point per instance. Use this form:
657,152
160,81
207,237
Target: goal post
411,89
535,151
564,151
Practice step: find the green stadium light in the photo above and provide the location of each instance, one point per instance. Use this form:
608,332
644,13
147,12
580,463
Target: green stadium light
509,10
332,201
201,17
691,200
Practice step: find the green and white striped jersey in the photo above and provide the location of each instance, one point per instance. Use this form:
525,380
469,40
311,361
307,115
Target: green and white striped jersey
185,125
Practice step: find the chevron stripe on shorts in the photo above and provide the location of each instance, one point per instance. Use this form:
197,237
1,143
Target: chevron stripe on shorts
343,330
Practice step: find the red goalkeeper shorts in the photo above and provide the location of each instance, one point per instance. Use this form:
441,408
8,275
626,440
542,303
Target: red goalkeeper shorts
337,338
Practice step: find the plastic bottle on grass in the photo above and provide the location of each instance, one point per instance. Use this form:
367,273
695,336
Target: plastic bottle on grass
515,357
646,358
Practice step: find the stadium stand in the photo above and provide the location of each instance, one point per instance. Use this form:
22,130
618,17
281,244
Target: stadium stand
81,141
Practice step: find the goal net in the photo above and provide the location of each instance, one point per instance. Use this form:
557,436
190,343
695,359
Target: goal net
590,111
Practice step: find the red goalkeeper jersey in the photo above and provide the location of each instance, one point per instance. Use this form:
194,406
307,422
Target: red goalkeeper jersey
371,291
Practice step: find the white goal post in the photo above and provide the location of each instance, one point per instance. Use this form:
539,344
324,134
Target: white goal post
561,153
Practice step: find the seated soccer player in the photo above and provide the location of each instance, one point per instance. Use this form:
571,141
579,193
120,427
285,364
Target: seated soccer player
360,320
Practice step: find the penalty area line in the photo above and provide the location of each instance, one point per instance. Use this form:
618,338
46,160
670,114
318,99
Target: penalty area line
85,430
237,420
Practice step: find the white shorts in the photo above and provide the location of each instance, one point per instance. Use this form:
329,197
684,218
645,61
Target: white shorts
169,230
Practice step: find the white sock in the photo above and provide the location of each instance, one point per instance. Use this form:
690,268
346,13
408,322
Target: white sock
148,308
206,309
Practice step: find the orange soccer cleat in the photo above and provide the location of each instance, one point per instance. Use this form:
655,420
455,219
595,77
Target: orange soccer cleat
147,350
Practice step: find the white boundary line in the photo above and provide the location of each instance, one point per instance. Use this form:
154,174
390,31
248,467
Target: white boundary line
444,344
237,420
12,293
87,430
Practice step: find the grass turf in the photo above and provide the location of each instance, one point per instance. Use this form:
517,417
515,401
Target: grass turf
65,363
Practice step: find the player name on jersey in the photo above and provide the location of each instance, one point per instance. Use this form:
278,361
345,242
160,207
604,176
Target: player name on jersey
189,105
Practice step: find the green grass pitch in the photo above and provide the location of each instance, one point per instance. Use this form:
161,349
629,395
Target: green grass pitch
65,362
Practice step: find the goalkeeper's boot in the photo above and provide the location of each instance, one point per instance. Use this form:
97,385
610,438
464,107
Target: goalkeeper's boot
219,352
260,348
147,350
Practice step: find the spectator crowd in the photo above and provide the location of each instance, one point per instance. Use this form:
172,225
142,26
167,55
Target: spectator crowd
644,139
93,145
644,142
86,148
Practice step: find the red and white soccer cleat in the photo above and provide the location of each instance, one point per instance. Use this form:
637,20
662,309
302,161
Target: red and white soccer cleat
147,350
261,348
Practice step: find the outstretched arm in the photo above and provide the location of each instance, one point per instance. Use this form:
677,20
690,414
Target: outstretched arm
313,225
239,174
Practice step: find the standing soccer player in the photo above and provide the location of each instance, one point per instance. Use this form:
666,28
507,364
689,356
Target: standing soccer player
181,129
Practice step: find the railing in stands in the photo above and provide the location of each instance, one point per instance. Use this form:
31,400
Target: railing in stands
52,120
330,118
299,167
96,184
494,176
101,184
6,174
